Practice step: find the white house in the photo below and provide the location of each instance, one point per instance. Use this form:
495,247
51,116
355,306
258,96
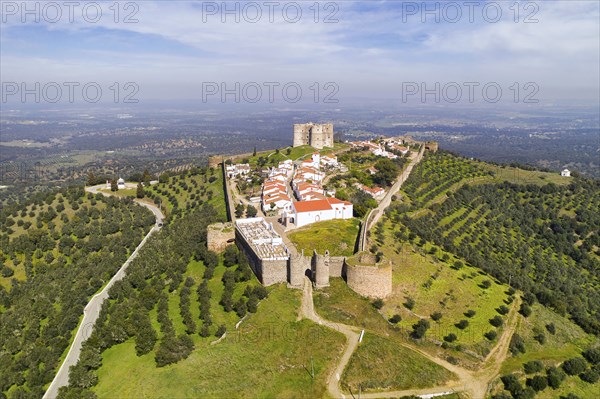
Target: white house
329,161
282,203
120,183
376,192
565,173
238,169
303,188
307,212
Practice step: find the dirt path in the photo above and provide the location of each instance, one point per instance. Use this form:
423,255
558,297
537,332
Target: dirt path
474,382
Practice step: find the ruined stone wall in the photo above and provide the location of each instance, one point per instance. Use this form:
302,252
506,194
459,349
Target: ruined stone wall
370,281
431,146
217,236
336,266
214,161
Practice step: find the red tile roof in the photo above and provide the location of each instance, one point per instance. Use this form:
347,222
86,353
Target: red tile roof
311,206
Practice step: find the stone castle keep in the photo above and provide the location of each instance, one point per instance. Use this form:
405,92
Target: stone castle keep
273,262
313,134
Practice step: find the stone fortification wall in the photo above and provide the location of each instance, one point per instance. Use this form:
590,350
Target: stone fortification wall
368,278
217,236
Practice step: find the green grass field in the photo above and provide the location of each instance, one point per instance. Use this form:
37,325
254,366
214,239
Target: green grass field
568,341
270,356
436,287
380,364
337,236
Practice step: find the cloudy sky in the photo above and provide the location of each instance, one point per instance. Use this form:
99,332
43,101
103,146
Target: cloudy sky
175,50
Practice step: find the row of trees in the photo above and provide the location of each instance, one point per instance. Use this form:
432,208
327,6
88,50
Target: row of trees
66,260
500,238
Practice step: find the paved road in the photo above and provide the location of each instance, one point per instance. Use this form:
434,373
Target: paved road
376,213
92,309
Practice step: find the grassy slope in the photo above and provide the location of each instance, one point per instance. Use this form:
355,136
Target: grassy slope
452,293
266,358
381,364
337,236
568,342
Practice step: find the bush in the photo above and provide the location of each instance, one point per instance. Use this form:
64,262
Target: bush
378,303
517,345
485,284
470,313
491,335
395,319
496,321
533,367
435,316
592,355
409,304
555,377
450,337
462,324
420,328
525,310
538,383
551,328
540,337
574,366
502,310
590,375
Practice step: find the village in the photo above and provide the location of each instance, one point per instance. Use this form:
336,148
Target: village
279,196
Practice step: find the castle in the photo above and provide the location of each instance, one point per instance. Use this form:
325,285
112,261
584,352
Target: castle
317,135
273,262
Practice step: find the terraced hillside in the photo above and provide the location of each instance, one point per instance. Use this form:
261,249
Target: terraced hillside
57,250
542,239
178,193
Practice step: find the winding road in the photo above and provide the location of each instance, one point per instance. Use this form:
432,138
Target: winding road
375,214
92,309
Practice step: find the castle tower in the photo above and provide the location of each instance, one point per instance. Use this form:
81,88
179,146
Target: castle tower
313,134
320,269
296,270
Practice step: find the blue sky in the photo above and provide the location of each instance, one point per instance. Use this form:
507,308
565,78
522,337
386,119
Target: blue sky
369,52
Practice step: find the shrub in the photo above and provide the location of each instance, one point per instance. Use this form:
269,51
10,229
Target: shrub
502,310
485,284
435,316
551,328
533,367
395,319
540,337
525,310
470,313
555,377
491,335
592,355
574,366
496,321
420,328
450,337
409,304
517,345
538,383
590,375
462,324
378,303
